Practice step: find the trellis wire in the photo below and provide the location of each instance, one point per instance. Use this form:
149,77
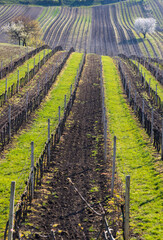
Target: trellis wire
143,118
14,64
23,114
14,88
42,162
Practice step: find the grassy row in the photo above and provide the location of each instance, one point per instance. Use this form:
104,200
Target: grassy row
135,157
15,165
12,77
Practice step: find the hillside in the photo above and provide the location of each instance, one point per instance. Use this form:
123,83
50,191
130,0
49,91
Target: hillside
81,126
106,30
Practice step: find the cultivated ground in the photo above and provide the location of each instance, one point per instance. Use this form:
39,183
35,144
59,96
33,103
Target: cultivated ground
79,158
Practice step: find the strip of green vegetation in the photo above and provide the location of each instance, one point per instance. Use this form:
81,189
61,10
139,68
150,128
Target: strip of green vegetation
49,17
15,166
153,81
12,77
134,158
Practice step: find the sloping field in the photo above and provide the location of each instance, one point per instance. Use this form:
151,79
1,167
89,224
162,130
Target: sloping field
106,30
10,52
76,187
7,12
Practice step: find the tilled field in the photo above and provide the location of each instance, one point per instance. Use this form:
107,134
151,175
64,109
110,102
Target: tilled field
77,161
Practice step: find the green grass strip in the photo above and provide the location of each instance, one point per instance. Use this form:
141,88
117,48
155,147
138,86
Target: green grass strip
16,164
12,77
154,81
134,158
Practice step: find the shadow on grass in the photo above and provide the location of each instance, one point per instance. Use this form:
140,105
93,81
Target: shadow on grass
147,201
131,41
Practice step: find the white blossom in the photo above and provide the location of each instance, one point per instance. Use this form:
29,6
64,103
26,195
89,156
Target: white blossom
145,25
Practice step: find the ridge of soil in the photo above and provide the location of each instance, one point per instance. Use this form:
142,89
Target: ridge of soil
57,210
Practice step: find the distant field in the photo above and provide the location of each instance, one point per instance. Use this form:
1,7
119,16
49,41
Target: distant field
106,30
11,52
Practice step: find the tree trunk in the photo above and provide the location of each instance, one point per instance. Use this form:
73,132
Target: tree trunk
144,35
24,42
19,41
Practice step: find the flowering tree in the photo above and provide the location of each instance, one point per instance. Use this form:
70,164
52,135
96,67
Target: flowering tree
145,25
22,29
14,30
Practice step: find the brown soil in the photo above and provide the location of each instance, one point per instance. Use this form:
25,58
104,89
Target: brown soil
58,210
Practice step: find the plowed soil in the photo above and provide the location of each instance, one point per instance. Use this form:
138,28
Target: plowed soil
58,211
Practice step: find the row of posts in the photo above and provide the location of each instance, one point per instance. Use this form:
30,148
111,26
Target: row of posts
147,60
143,111
127,191
12,194
18,74
27,98
149,84
11,62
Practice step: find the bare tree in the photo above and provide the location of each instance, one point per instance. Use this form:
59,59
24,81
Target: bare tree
22,29
145,25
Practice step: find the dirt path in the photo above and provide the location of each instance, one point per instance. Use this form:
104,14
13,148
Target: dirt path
58,208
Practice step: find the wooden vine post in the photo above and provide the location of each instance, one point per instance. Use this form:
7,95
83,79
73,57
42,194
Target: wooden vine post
149,86
113,167
127,205
59,120
1,68
65,103
143,114
105,135
48,142
28,71
162,141
152,125
135,102
9,122
32,170
156,94
18,82
11,213
6,91
27,105
34,65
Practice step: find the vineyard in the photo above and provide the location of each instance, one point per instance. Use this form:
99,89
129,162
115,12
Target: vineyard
81,125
